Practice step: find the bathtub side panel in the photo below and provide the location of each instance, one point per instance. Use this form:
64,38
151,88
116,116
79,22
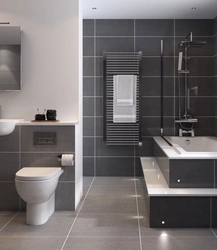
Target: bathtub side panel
192,174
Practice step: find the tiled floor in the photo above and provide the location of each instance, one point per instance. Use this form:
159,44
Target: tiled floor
111,216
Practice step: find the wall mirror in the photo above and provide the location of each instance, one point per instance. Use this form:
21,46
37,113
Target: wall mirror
10,58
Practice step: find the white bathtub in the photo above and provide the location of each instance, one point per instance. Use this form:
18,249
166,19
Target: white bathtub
198,147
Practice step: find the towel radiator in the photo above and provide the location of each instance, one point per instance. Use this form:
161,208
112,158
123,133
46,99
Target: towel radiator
121,63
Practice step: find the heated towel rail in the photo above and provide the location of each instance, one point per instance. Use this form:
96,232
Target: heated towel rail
121,63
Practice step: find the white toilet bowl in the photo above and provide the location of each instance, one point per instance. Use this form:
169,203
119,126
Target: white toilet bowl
36,186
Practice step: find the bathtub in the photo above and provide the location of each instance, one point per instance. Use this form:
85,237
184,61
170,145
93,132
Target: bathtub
187,162
198,147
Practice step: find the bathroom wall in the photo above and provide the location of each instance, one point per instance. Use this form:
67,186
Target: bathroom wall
51,44
145,35
215,69
17,151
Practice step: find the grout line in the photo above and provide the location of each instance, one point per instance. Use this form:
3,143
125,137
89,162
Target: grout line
137,209
9,221
20,134
73,223
174,80
213,232
156,56
94,120
134,147
149,36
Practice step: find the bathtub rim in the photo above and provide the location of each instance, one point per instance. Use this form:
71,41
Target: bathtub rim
176,152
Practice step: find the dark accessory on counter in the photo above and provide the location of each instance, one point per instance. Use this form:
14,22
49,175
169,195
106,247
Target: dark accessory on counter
40,117
51,114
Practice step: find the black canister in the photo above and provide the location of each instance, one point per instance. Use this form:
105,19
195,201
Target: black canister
51,114
40,117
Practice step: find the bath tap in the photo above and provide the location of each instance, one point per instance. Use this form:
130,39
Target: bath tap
189,132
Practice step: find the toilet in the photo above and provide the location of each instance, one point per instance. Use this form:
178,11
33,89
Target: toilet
36,186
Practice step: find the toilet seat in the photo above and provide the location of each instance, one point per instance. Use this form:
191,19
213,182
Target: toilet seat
37,174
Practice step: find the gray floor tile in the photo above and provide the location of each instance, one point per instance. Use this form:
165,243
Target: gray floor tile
102,244
114,181
23,243
5,217
112,192
179,243
58,225
117,205
87,180
105,226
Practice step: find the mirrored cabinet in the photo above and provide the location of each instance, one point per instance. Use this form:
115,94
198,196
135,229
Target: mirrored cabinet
10,58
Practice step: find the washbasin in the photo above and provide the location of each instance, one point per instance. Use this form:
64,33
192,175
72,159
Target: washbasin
7,126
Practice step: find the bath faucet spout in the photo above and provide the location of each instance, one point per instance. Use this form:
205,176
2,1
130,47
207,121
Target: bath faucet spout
189,132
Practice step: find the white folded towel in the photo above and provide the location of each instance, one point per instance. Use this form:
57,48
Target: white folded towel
125,89
124,98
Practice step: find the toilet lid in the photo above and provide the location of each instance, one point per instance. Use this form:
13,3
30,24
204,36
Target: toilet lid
37,174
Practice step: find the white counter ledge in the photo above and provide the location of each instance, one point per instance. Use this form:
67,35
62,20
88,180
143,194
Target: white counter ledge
157,186
47,123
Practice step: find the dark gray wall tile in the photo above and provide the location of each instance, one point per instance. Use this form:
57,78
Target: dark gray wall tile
151,66
88,106
151,46
205,126
88,169
88,46
65,138
151,106
198,27
8,197
88,27
169,126
88,126
88,66
147,148
10,143
65,196
112,27
102,150
151,86
205,86
9,163
99,106
151,126
88,86
99,86
205,50
99,126
215,26
151,27
88,146
204,106
99,66
112,166
201,66
114,44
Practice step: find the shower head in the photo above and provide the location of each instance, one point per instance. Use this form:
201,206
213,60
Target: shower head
192,44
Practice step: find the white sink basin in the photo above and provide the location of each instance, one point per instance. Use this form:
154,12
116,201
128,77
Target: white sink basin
7,126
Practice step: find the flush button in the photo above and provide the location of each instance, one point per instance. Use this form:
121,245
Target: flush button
45,138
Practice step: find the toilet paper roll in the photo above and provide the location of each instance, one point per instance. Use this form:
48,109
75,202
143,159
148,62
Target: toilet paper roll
67,160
